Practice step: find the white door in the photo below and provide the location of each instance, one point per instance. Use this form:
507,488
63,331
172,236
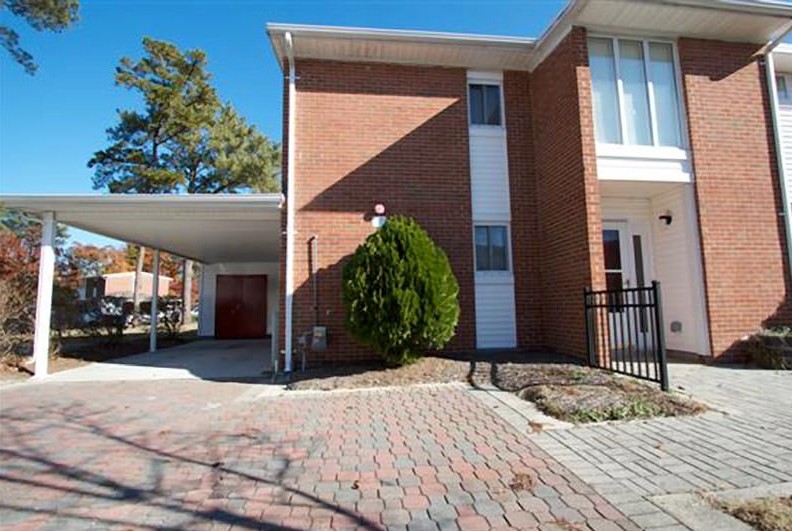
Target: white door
625,267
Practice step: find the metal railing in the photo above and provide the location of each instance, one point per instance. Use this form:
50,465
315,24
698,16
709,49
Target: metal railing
624,332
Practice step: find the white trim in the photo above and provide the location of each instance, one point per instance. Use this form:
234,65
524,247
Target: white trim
781,163
697,270
491,79
649,83
290,208
484,76
55,202
474,39
46,278
509,271
632,151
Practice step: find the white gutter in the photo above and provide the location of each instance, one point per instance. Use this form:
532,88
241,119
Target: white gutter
413,36
290,206
771,86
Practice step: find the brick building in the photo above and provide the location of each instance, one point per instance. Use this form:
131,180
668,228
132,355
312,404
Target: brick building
633,141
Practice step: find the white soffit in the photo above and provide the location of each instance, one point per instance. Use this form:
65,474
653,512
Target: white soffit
206,228
740,21
782,58
403,47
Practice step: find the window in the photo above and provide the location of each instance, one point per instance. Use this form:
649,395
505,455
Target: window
485,104
634,92
781,87
492,248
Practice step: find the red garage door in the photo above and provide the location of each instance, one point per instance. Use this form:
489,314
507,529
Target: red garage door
241,307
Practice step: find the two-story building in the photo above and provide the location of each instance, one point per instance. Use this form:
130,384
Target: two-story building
632,141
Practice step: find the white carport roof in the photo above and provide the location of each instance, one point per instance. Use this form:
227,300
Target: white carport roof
206,228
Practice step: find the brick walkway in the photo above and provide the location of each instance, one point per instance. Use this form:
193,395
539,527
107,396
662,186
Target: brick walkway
745,442
192,454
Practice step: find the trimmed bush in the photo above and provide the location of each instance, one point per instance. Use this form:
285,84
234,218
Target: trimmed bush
400,293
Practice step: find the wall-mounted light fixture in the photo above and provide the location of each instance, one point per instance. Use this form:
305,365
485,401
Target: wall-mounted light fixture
666,218
379,217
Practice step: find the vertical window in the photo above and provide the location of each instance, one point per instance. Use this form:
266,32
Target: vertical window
492,248
781,87
604,91
664,90
634,92
484,102
635,103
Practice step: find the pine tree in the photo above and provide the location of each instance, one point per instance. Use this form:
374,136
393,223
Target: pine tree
400,292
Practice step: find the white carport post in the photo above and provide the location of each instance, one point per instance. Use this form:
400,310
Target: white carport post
46,277
154,301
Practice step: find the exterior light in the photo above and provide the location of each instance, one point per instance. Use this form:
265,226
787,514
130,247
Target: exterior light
379,217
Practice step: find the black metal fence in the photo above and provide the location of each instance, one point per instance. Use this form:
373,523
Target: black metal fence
624,332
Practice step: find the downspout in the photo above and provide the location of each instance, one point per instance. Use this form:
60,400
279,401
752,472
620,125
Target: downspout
290,207
774,112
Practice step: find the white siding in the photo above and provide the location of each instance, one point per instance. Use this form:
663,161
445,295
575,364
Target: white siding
206,318
678,266
489,175
495,322
673,260
489,184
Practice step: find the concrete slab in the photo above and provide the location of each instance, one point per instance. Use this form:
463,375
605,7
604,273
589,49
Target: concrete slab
199,360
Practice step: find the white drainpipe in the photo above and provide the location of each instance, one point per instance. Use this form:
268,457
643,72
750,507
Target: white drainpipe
290,206
773,96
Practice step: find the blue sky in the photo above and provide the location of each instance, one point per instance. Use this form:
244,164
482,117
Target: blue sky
52,122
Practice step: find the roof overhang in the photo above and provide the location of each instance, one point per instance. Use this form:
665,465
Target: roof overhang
754,21
402,47
751,21
782,58
205,228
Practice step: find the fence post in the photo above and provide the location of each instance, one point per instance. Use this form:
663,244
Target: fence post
590,350
662,357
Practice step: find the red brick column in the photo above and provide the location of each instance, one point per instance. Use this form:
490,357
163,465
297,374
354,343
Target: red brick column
568,203
737,190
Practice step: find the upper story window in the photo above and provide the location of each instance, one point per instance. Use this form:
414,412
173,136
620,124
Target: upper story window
634,92
782,88
492,248
484,101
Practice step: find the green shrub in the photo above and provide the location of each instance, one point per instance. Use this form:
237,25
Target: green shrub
400,292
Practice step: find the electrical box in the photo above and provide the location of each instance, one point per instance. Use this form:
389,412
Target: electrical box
319,338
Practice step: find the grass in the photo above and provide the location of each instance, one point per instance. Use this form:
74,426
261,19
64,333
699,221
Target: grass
764,514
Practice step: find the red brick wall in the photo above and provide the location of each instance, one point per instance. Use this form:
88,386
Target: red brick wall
369,133
568,207
742,235
524,222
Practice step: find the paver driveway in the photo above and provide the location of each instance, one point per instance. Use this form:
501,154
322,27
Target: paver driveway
193,454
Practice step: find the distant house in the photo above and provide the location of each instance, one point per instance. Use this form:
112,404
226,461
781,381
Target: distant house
121,285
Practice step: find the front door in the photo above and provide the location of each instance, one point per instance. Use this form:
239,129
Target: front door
241,307
625,267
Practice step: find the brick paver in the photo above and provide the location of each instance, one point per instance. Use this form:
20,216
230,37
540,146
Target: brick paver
746,441
192,454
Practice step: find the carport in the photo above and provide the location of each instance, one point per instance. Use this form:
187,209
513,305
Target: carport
235,237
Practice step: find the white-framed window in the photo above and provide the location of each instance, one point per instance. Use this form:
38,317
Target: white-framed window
485,104
635,92
782,87
492,247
